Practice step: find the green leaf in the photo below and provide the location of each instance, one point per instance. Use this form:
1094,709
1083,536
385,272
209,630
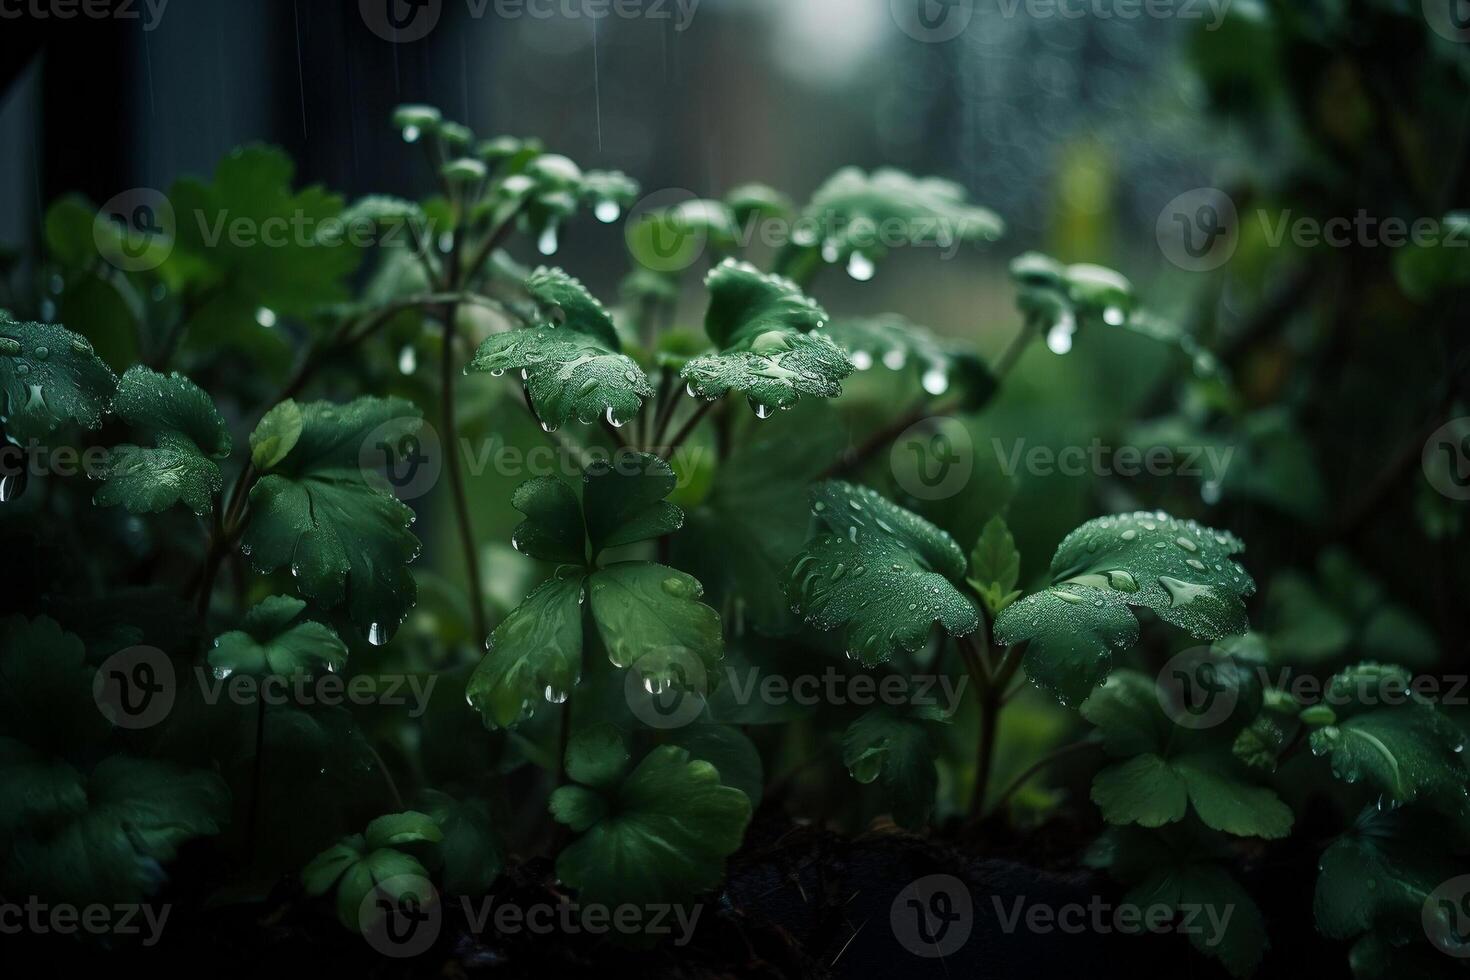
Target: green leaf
596,756
535,654
570,362
896,748
1071,633
1180,569
1180,868
728,750
1260,744
624,500
1378,876
762,325
650,616
472,852
995,566
246,242
68,228
622,503
757,200
106,312
407,827
553,528
864,214
358,865
49,375
1425,270
661,837
741,538
1391,738
100,837
563,300
274,639
899,345
276,434
46,696
187,431
344,537
1167,769
880,573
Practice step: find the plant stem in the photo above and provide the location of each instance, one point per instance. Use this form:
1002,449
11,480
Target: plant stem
1040,764
456,476
687,428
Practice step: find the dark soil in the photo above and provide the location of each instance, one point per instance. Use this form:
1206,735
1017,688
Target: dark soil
799,902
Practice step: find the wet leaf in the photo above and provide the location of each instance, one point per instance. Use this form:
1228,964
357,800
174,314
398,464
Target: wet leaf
317,512
897,748
1394,740
660,837
880,573
570,362
189,435
763,326
1181,570
533,656
275,639
1167,770
49,375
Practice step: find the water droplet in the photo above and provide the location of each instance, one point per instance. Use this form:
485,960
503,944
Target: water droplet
1114,316
1186,544
860,267
762,411
1059,337
554,696
497,372
935,381
547,243
895,359
607,211
547,427
1129,534
41,353
408,360
862,360
411,134
612,419
377,636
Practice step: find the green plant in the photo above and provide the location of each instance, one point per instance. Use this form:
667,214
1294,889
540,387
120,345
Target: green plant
731,517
